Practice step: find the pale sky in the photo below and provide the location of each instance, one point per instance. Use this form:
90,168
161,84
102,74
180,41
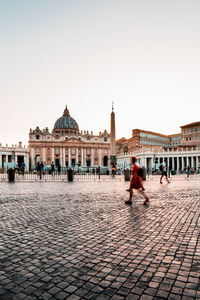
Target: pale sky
142,54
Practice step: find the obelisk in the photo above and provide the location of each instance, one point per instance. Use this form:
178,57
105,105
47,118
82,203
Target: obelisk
112,137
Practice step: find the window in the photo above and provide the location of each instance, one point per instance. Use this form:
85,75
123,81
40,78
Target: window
57,150
37,137
105,139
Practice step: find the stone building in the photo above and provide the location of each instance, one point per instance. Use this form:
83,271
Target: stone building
190,136
69,146
143,139
14,154
180,151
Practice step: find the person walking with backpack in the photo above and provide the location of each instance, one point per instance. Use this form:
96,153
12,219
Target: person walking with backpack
163,169
136,183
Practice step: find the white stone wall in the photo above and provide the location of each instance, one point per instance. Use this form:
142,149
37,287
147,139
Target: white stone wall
178,160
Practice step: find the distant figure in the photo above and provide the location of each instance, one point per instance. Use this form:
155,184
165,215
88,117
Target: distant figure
59,168
16,167
136,182
38,167
113,170
188,171
42,167
23,167
163,169
52,168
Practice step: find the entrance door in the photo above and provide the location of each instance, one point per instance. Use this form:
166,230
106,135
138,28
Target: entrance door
20,159
3,160
57,161
105,161
73,162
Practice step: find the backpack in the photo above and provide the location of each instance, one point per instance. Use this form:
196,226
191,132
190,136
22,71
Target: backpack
161,168
141,172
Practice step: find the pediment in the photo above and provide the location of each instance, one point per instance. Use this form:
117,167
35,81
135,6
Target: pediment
73,140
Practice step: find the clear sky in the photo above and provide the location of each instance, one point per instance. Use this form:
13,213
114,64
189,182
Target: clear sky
142,54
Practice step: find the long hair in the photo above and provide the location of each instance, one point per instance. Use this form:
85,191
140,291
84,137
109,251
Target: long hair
133,159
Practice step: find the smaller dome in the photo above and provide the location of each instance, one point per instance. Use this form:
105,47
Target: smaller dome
66,121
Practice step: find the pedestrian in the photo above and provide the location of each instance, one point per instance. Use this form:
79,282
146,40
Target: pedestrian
188,171
113,170
16,167
136,182
23,167
38,168
52,168
163,169
59,168
41,168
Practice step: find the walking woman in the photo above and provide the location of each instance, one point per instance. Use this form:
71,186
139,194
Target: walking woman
136,182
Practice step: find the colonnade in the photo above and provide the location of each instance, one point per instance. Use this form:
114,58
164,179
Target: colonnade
65,155
174,161
12,157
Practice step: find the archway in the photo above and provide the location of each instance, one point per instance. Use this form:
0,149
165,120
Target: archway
37,159
105,161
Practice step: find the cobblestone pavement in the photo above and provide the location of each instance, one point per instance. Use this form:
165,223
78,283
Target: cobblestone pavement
80,241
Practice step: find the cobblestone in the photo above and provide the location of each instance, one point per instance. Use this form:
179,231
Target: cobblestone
79,240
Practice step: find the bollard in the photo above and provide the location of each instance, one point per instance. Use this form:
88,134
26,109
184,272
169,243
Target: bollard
127,175
70,175
144,175
11,175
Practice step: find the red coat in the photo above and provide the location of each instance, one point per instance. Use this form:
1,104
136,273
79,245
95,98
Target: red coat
136,181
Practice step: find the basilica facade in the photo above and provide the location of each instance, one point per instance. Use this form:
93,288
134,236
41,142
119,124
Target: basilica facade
68,146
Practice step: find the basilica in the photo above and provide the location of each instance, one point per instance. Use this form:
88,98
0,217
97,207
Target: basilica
68,146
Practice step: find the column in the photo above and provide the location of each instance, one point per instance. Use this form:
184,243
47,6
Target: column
0,160
192,162
27,162
32,158
92,157
61,157
186,161
145,162
177,163
69,157
64,158
172,163
76,155
99,156
82,157
168,163
152,163
53,154
197,163
43,155
182,163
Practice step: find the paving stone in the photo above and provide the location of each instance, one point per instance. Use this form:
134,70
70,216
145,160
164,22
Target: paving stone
80,241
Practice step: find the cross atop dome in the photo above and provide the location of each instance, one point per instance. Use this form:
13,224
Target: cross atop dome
66,111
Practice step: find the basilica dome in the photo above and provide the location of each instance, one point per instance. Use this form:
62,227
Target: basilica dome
65,122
